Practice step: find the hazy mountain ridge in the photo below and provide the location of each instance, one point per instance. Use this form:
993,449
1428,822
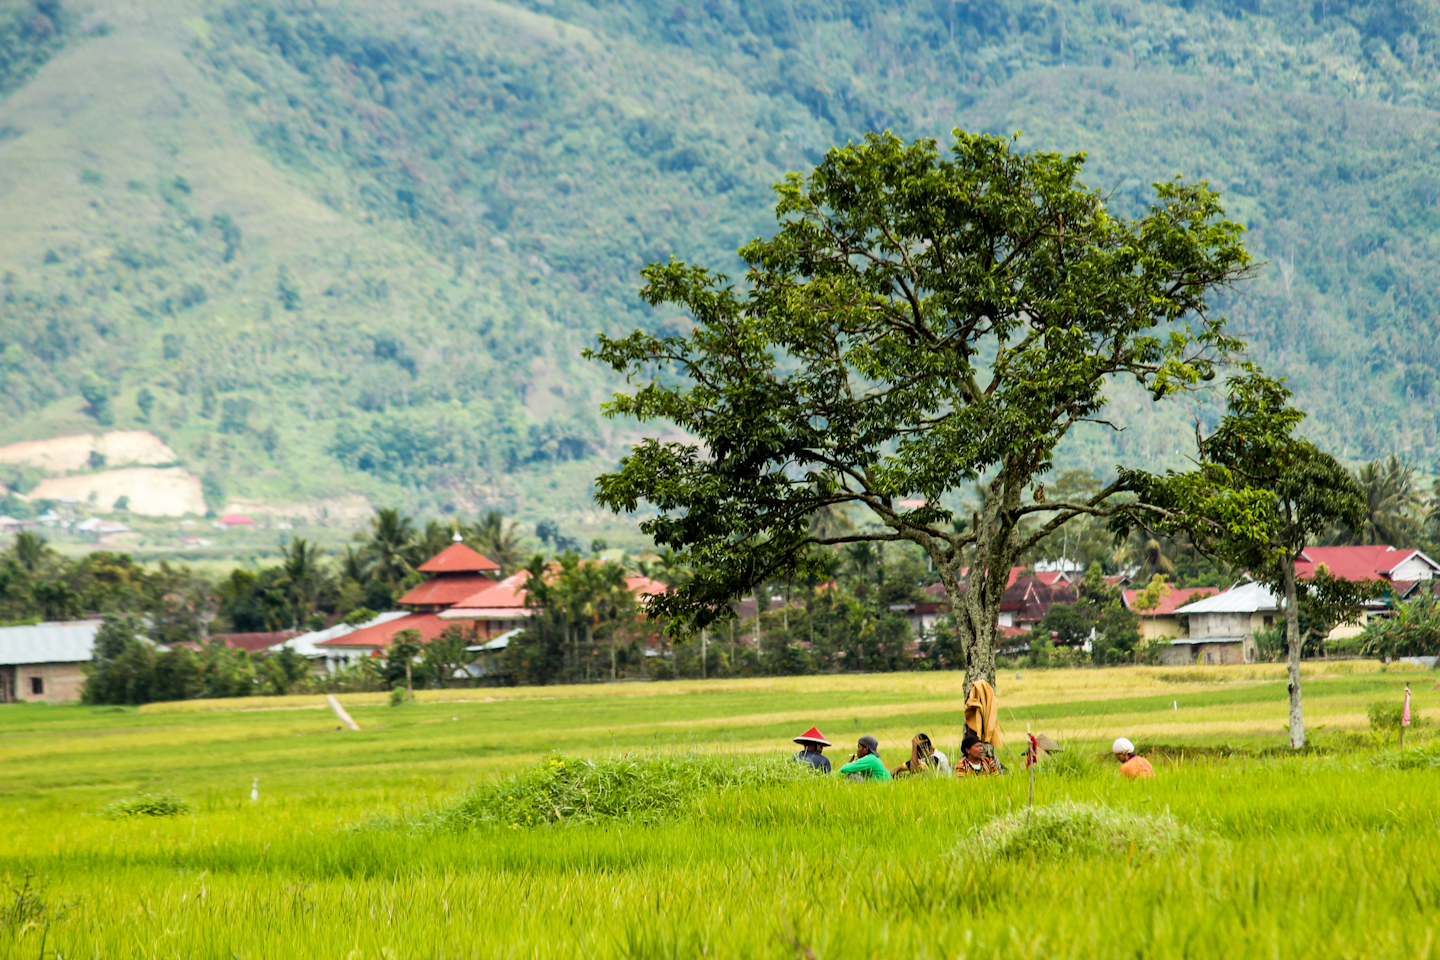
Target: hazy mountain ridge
360,247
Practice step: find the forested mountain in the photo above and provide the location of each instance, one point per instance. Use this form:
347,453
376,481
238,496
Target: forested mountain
358,247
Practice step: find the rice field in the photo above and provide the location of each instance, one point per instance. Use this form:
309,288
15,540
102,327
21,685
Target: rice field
348,852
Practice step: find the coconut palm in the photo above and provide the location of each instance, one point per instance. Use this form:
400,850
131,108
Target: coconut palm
303,577
1391,504
389,550
1146,555
498,540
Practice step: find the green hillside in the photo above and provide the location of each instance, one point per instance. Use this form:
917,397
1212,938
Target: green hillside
328,249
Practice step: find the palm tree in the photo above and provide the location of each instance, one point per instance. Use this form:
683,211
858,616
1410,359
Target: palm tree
390,549
31,551
1391,502
302,576
1148,557
499,541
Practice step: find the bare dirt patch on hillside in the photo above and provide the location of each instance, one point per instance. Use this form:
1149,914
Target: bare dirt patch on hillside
63,454
153,491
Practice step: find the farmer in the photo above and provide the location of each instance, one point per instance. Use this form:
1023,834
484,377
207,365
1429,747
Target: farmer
1133,766
812,746
973,762
924,758
866,763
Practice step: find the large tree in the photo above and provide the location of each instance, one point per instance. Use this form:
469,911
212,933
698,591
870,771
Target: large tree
919,322
1258,496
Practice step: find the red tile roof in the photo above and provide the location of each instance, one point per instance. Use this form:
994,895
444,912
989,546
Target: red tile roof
446,590
457,558
1030,598
1374,562
1177,597
249,642
379,636
509,592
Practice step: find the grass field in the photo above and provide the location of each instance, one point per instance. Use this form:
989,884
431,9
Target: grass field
1328,854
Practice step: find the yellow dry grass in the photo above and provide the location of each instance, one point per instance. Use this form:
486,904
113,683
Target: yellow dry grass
1017,688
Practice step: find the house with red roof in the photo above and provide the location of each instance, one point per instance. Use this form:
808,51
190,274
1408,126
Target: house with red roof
1404,572
1163,620
452,575
501,607
1026,600
1401,568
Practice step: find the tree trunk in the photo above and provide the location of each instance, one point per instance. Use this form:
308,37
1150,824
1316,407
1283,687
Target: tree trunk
977,610
1292,636
409,687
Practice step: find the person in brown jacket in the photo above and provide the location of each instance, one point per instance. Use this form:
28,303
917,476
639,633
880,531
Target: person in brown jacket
973,762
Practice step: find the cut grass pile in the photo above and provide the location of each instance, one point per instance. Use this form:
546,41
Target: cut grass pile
147,805
631,788
1070,829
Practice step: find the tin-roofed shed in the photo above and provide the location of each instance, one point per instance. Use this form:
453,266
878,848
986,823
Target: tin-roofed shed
41,661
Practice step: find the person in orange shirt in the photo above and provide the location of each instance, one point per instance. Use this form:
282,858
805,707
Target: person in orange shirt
1132,766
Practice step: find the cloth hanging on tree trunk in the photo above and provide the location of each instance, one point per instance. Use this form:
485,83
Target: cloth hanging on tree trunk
982,713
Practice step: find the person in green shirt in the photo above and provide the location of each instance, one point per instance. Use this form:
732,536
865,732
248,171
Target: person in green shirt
867,764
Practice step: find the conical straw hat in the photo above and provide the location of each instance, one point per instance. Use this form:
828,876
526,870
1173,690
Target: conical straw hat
813,735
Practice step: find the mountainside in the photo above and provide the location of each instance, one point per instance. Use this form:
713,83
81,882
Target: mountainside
329,250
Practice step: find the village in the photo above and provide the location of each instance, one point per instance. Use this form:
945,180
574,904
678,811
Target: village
465,593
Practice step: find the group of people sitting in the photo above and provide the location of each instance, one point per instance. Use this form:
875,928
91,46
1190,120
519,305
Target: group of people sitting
974,761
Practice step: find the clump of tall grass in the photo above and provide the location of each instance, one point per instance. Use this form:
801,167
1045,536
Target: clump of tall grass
1070,829
147,805
641,789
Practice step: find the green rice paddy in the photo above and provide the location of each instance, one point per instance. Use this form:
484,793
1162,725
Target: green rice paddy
1237,849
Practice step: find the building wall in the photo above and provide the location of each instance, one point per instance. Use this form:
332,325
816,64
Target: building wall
1205,625
1188,654
58,682
1155,627
1412,569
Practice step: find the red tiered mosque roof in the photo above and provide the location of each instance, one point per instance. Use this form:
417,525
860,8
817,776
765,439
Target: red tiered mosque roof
455,573
457,558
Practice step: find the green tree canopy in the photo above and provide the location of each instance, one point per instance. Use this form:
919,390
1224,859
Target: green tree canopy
1257,498
920,321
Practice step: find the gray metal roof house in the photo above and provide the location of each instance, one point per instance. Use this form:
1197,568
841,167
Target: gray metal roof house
41,661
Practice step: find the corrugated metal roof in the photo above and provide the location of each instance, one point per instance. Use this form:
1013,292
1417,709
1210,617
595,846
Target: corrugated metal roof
446,589
1249,597
66,641
305,643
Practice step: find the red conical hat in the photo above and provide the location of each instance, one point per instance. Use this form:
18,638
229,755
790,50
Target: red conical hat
813,735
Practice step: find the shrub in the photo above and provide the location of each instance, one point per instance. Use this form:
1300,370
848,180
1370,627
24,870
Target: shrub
640,789
147,805
1385,716
1077,830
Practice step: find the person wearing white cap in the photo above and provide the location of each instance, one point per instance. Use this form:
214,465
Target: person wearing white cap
1131,765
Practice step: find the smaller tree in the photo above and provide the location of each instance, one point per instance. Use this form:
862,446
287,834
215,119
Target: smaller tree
283,670
405,646
96,391
1257,497
122,667
145,400
447,655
